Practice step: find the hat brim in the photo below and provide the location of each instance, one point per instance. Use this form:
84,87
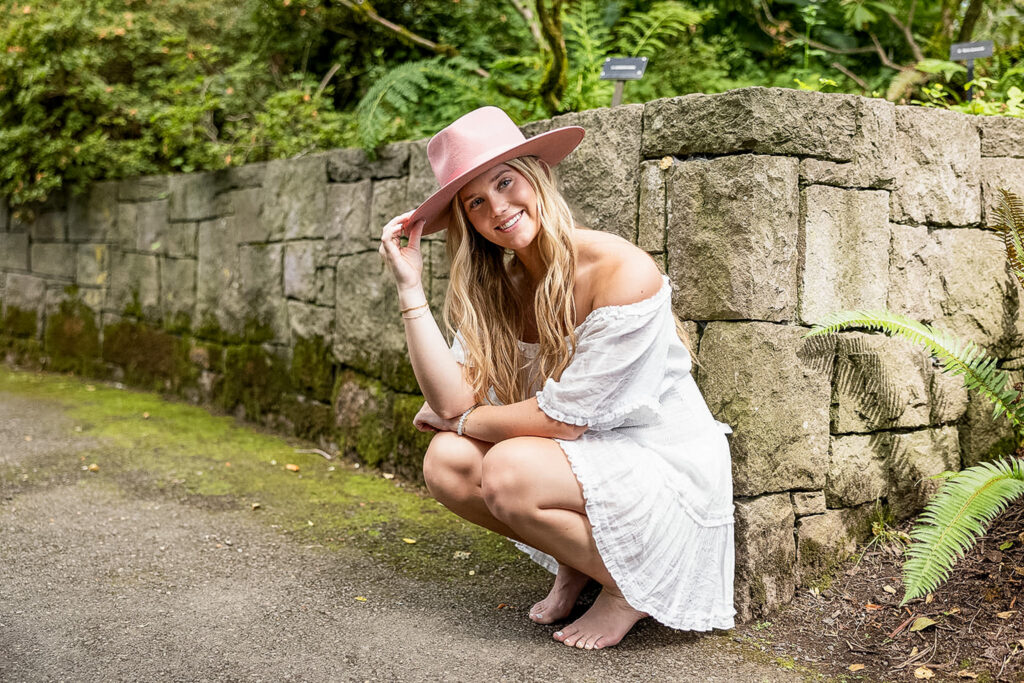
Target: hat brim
551,147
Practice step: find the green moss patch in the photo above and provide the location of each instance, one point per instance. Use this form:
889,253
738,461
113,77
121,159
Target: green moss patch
150,356
253,378
18,322
72,339
154,447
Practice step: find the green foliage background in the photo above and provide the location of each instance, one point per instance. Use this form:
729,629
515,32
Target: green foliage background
93,89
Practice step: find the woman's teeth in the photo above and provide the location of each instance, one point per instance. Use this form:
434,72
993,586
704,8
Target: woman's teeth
507,225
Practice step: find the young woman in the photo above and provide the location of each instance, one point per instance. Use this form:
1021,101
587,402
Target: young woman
566,415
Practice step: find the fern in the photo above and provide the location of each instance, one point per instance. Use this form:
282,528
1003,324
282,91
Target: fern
954,519
958,358
646,33
1010,217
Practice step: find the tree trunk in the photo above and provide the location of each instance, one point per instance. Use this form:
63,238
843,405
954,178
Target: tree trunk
556,77
970,19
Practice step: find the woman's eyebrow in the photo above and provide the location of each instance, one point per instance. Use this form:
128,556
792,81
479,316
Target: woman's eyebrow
493,178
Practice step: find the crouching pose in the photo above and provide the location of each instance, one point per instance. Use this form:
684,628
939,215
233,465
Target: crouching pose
566,415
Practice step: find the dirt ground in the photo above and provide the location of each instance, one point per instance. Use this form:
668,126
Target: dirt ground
104,580
971,628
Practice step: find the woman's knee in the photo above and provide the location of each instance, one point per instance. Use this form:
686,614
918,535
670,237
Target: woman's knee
451,468
502,479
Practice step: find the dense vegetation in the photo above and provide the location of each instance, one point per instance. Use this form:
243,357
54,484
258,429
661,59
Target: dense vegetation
106,88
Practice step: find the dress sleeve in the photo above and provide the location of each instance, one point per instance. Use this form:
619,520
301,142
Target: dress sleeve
621,361
458,350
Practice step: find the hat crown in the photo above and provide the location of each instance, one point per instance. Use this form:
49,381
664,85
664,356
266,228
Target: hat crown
470,140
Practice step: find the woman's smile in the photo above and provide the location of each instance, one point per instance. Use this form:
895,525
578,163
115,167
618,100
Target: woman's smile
510,225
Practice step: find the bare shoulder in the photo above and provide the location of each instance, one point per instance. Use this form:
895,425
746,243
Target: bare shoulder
619,272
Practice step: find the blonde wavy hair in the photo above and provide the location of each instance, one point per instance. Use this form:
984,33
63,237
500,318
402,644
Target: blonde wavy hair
483,305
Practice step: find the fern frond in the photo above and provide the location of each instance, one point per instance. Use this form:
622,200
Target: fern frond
645,33
586,36
954,519
1010,221
979,370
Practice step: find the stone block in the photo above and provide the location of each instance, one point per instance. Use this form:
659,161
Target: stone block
983,437
126,226
261,278
996,174
947,395
26,292
846,253
92,217
50,226
761,120
244,209
954,278
239,177
53,260
93,265
348,218
873,156
177,290
14,251
915,458
938,157
295,198
760,379
824,541
300,271
134,285
387,200
191,197
94,298
880,383
218,287
857,469
351,165
765,554
733,229
1001,136
652,217
600,179
151,226
308,322
368,330
143,188
808,503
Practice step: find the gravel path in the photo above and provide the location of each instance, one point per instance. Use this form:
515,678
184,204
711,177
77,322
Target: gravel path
97,584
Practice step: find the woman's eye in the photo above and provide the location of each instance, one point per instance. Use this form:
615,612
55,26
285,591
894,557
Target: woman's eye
504,182
474,203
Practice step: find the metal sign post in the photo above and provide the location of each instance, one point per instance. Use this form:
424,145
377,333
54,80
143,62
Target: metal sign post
620,70
959,52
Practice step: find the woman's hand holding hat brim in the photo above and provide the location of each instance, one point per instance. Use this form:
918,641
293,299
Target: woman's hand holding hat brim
406,263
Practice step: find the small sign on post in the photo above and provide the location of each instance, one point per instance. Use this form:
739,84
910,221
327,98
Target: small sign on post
620,70
959,52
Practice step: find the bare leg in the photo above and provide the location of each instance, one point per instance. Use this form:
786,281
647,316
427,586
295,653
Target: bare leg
529,485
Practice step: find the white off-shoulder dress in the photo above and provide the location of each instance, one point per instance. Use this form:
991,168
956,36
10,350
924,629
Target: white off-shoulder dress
653,464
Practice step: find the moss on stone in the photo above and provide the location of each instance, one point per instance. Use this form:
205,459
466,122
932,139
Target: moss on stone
253,378
178,323
365,417
72,338
410,443
149,356
18,322
313,368
308,419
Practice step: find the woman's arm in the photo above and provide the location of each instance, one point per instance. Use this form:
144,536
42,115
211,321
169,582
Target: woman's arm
497,423
440,377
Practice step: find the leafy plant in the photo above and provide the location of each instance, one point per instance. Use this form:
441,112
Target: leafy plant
967,501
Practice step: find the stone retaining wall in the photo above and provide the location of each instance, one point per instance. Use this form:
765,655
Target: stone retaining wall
259,289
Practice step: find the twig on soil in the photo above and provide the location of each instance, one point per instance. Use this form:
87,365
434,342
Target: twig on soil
317,451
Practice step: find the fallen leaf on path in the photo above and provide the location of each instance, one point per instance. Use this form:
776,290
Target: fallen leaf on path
964,673
388,475
293,468
256,506
28,438
922,623
461,555
889,589
501,605
94,467
360,598
1006,615
928,598
855,667
145,416
923,672
871,607
409,540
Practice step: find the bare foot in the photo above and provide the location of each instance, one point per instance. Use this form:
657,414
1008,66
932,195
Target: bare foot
603,625
556,606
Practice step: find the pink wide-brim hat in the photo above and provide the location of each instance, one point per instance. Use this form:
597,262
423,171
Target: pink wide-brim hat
470,145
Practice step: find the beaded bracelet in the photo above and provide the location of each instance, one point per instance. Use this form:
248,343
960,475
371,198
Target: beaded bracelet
462,420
